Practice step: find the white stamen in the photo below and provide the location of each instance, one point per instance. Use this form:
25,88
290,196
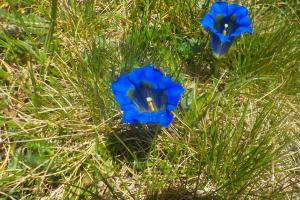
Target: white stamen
225,29
150,104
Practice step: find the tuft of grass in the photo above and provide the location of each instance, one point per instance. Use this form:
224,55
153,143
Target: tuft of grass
235,133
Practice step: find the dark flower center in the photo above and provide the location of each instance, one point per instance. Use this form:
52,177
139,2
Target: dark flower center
147,99
225,24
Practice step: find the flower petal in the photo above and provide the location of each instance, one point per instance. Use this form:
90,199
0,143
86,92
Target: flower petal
232,8
219,8
129,117
222,38
129,114
207,22
150,117
219,48
147,74
120,88
166,119
241,30
165,83
245,21
241,12
173,95
122,99
163,118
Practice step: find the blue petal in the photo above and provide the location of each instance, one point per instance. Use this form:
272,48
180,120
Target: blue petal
150,117
232,8
166,119
129,113
222,38
165,83
219,8
163,118
122,99
129,107
173,95
219,48
120,87
241,12
147,74
245,21
129,117
207,22
241,30
135,76
122,84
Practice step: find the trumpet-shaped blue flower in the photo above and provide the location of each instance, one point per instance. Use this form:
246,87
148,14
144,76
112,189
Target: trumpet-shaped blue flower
225,22
147,96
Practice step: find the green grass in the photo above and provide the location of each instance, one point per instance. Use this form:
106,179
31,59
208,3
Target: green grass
236,130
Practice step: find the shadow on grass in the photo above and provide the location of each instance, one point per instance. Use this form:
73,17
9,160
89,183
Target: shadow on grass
199,68
131,142
200,62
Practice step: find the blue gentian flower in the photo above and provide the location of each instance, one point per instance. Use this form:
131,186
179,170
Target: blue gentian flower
225,22
146,96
